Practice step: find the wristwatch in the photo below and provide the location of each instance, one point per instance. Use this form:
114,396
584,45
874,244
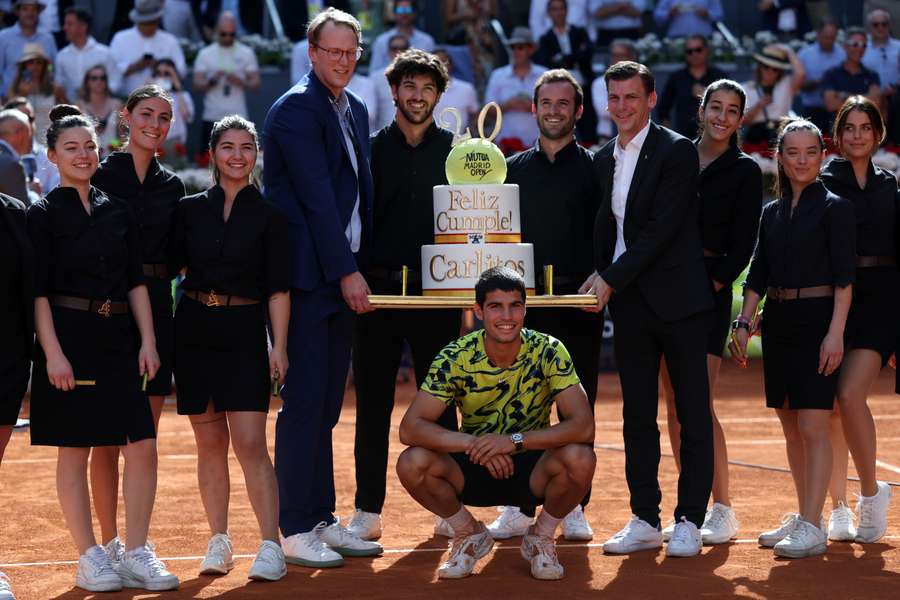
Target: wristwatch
518,439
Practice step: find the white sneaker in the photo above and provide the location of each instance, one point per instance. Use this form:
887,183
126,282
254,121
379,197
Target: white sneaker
114,549
442,527
685,540
575,526
668,530
840,524
269,563
465,552
804,539
541,553
635,536
96,573
365,525
873,514
140,568
720,525
510,523
5,588
308,550
219,556
345,543
768,539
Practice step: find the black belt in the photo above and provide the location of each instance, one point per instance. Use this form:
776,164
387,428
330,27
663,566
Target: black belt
103,308
875,261
391,275
158,271
213,299
816,291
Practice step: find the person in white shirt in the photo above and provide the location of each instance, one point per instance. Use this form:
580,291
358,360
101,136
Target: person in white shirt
166,76
616,19
82,53
459,94
883,53
138,48
405,14
300,61
25,31
619,50
41,174
539,22
223,70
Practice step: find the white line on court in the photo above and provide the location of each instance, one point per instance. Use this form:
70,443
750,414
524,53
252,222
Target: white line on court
888,466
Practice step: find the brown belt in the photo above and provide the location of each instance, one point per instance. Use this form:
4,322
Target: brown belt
875,261
103,308
213,299
711,254
783,294
156,270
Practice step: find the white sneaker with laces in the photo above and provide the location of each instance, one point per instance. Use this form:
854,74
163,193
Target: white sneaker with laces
840,524
873,514
465,552
219,556
575,526
804,539
668,530
720,525
140,568
308,550
442,527
541,553
345,543
768,539
635,536
269,563
365,525
5,588
510,523
96,573
685,540
114,549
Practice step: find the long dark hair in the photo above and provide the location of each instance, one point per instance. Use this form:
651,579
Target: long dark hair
786,126
229,123
66,116
726,85
863,105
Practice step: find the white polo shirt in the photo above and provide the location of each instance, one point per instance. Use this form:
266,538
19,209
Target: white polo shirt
626,161
73,62
238,59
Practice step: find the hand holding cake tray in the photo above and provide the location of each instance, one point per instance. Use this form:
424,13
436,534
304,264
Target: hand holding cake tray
476,227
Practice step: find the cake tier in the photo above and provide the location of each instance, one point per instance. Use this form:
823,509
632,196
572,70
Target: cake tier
474,213
453,269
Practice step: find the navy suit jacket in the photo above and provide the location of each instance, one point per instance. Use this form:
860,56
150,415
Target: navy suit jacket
308,174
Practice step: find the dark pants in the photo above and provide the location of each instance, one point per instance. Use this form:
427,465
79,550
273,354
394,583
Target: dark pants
319,340
377,350
640,340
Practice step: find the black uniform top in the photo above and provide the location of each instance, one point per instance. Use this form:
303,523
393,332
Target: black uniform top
248,255
730,189
875,206
152,201
16,281
404,206
816,246
681,97
96,256
558,202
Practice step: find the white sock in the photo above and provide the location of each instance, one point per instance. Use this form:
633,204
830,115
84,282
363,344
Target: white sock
546,524
462,522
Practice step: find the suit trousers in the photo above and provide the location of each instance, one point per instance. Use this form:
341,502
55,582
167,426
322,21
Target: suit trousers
319,340
641,338
377,351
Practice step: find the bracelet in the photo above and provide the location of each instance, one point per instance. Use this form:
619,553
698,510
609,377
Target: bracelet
738,324
742,319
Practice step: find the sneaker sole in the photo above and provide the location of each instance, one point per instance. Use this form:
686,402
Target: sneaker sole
578,537
790,553
849,537
507,535
161,586
550,577
107,587
637,548
316,564
680,554
266,577
217,570
350,552
862,539
711,541
769,542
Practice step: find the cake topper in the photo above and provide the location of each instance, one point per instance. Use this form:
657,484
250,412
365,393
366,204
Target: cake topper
475,160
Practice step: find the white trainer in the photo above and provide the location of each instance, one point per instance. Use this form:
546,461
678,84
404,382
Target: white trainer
841,527
465,552
345,543
442,527
720,525
804,539
308,550
685,540
768,539
114,549
140,568
219,556
269,563
635,536
96,573
541,553
575,526
365,525
873,514
510,523
5,588
668,530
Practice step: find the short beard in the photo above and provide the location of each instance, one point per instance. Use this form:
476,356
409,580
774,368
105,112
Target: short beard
569,127
411,119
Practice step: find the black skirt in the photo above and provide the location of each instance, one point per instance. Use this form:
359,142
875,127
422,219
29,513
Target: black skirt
873,319
113,411
720,325
792,334
221,355
160,291
13,384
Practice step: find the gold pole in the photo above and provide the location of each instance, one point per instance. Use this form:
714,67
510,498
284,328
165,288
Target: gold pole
403,279
548,280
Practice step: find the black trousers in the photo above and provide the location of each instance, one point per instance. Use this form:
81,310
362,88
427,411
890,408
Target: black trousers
377,351
641,338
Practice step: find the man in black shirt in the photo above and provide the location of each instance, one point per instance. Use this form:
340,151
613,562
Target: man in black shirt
408,158
685,88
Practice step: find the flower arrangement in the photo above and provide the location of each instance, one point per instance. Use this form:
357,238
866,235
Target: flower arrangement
276,52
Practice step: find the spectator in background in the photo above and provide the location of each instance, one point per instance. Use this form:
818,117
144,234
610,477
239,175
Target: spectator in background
15,136
565,46
178,19
468,23
97,102
50,19
688,17
41,174
405,15
13,39
459,94
82,53
771,93
677,107
539,20
223,70
817,58
851,77
883,53
299,61
512,87
384,96
789,18
137,49
166,76
617,19
33,80
619,50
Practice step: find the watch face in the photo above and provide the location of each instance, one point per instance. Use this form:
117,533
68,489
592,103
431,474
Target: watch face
517,437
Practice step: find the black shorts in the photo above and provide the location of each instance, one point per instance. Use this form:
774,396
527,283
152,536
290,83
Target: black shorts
481,489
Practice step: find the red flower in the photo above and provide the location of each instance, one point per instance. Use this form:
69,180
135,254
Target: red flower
202,159
180,150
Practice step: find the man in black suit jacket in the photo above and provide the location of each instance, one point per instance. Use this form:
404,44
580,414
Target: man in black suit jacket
649,268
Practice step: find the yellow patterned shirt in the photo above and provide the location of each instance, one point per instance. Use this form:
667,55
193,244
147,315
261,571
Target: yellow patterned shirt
501,400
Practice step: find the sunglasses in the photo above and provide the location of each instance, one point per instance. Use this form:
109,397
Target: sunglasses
97,78
880,24
857,44
226,34
697,50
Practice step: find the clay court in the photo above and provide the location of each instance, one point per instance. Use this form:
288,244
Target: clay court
37,553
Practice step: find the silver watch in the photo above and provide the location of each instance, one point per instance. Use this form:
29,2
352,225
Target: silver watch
518,439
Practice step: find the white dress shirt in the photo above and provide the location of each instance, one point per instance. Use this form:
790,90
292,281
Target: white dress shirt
73,62
626,161
504,85
129,45
354,227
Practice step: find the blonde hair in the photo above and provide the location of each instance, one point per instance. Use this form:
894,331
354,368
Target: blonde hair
332,15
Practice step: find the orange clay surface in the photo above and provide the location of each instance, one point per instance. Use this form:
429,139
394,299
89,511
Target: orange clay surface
36,550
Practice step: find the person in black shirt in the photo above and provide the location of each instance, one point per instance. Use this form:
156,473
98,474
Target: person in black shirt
730,189
236,250
408,160
870,336
86,390
804,264
152,191
680,99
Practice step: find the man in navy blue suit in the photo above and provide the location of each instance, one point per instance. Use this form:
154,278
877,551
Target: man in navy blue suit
317,171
